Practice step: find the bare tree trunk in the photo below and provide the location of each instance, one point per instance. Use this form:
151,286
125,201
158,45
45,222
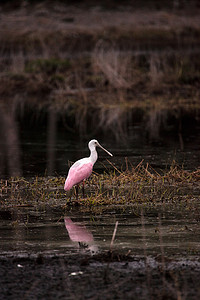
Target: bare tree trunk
51,141
11,141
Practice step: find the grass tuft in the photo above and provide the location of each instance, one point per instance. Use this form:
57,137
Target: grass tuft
139,185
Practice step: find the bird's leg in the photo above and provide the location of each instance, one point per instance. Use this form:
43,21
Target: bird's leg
83,189
70,197
77,192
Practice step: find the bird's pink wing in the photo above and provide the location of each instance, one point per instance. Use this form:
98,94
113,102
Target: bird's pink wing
77,173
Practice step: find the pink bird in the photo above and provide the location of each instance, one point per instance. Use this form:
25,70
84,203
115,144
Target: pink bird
82,168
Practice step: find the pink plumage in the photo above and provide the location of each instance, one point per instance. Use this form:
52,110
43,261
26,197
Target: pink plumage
82,168
77,175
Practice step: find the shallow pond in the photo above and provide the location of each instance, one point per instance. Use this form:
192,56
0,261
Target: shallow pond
156,231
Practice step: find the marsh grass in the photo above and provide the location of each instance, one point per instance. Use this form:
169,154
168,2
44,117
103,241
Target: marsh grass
98,75
139,185
101,89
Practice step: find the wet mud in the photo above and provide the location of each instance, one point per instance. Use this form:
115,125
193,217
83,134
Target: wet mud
104,276
47,256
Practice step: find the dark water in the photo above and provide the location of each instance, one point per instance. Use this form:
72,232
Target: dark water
47,231
42,145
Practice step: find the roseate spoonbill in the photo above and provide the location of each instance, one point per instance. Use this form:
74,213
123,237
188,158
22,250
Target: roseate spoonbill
82,168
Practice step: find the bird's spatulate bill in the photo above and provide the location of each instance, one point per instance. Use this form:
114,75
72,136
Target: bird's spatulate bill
105,150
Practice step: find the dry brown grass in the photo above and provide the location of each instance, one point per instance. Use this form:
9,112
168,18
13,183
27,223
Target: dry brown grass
113,65
136,185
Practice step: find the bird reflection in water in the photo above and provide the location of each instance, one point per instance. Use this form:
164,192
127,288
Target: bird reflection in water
81,235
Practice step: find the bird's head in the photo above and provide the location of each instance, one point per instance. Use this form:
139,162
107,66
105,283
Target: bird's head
94,143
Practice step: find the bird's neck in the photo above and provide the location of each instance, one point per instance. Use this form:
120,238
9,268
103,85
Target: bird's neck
93,156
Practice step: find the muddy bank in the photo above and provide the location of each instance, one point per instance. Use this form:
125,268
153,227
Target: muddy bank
84,277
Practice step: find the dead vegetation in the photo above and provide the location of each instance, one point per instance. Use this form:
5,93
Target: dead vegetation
136,185
51,56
